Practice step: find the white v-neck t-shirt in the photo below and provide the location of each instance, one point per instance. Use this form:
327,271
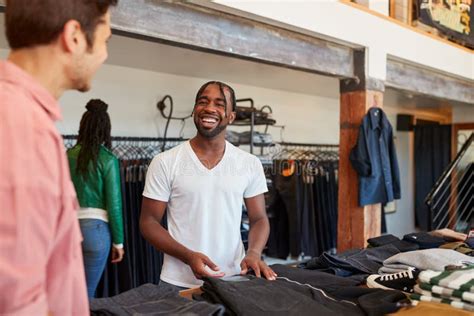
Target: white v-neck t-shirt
204,206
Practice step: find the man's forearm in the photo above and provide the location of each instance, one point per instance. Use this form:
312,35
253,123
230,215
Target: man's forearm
258,235
162,241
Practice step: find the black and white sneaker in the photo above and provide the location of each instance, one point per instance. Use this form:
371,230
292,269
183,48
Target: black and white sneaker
402,281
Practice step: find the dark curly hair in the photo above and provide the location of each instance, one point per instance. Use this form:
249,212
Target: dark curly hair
31,23
94,130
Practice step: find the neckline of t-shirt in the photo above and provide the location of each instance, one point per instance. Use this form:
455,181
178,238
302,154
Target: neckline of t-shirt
198,162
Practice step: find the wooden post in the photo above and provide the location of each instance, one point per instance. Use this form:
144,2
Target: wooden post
355,224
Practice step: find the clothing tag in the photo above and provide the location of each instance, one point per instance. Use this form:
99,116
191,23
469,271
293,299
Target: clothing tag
289,170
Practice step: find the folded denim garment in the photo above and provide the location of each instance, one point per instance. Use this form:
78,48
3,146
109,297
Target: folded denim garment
401,245
424,240
151,299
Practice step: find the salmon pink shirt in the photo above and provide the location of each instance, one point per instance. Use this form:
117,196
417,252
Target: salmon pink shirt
41,267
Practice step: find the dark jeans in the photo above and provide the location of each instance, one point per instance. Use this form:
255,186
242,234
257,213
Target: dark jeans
257,296
299,292
287,188
303,210
354,261
383,240
95,250
151,299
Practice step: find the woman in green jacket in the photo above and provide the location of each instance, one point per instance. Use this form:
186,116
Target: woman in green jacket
96,176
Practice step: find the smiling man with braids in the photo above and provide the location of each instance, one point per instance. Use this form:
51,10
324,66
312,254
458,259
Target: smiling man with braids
201,184
96,176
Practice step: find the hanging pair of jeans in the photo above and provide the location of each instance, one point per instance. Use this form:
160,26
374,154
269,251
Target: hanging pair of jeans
304,209
332,195
278,245
309,223
288,188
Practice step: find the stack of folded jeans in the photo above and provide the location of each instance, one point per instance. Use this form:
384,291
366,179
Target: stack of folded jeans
453,287
299,292
424,240
150,299
401,245
354,261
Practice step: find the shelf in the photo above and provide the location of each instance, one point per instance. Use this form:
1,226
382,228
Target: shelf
244,123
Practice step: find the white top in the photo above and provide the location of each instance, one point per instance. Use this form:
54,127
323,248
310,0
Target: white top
95,213
204,206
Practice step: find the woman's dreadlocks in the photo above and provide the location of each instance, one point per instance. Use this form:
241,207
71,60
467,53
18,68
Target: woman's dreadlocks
94,130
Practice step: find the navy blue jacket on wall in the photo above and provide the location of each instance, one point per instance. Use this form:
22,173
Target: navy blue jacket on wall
375,159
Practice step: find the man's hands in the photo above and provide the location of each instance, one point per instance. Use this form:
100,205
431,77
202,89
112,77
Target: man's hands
203,266
252,261
117,254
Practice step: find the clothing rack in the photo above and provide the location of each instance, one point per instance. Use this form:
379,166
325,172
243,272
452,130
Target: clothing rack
128,148
308,145
135,139
302,199
306,151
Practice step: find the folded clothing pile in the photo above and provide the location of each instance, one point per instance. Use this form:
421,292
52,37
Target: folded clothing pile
243,138
299,292
400,272
244,115
352,261
424,240
426,259
443,238
151,299
454,287
390,239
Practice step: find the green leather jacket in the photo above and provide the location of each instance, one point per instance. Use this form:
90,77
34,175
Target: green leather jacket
101,189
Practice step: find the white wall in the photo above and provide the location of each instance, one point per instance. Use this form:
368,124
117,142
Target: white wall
341,22
402,221
132,95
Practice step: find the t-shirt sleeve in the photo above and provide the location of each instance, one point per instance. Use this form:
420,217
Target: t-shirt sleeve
157,184
257,181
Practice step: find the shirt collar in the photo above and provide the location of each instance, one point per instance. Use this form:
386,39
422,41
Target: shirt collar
12,73
377,118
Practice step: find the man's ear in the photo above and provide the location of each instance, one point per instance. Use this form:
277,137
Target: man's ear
232,117
72,37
